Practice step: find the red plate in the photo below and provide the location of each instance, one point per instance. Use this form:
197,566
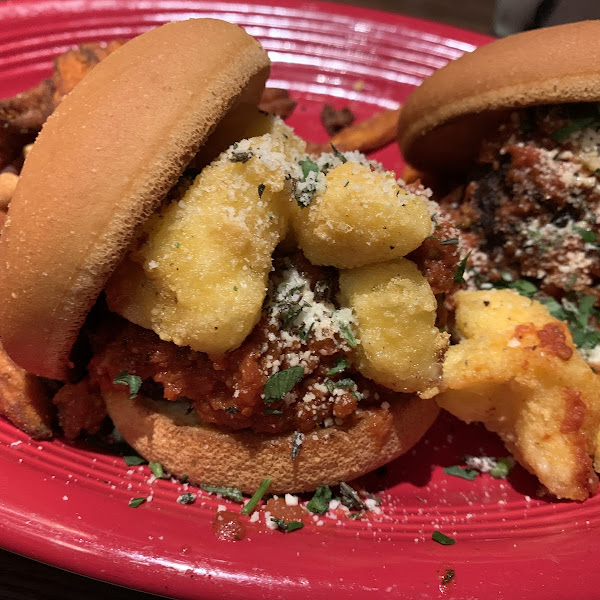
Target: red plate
68,506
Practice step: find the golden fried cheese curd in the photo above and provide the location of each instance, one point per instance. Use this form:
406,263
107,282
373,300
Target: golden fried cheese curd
518,371
358,216
199,276
400,346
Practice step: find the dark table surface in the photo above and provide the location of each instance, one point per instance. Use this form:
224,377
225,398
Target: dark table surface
24,579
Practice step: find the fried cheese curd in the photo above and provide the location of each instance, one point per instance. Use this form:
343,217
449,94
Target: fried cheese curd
262,337
517,371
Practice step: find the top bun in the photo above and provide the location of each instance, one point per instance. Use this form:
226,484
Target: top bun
443,121
101,165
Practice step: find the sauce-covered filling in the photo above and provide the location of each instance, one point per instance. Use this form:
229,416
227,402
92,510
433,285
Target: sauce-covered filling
530,215
531,206
293,373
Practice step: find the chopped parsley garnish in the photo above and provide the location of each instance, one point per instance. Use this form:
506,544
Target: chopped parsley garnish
522,286
235,288
344,383
287,526
458,471
350,497
503,467
449,242
440,538
297,443
319,503
459,275
227,492
242,157
308,166
133,381
256,498
587,235
348,335
157,470
187,498
305,189
448,576
135,502
338,154
176,245
273,411
134,460
579,314
435,221
261,189
560,135
282,382
341,364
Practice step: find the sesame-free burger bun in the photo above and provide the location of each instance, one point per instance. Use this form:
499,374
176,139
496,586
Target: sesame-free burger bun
101,165
444,120
167,433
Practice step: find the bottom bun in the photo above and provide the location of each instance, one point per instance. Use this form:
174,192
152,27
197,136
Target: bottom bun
164,432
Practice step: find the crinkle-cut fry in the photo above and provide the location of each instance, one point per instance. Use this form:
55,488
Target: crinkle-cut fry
518,372
24,399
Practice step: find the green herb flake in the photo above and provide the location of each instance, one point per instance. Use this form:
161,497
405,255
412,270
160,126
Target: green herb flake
273,411
459,275
187,498
282,382
435,221
157,470
135,502
319,503
341,364
503,467
560,135
458,471
133,381
176,245
134,460
338,154
256,498
587,235
344,383
350,497
348,335
261,189
448,576
449,242
444,540
235,288
296,444
232,410
287,526
227,492
308,166
242,157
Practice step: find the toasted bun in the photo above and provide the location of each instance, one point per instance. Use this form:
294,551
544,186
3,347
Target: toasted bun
162,431
444,120
101,165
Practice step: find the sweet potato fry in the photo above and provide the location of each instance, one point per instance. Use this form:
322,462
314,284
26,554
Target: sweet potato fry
24,399
370,134
22,116
364,136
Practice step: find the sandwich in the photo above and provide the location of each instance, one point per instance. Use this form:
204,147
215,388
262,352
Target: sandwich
240,309
509,138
